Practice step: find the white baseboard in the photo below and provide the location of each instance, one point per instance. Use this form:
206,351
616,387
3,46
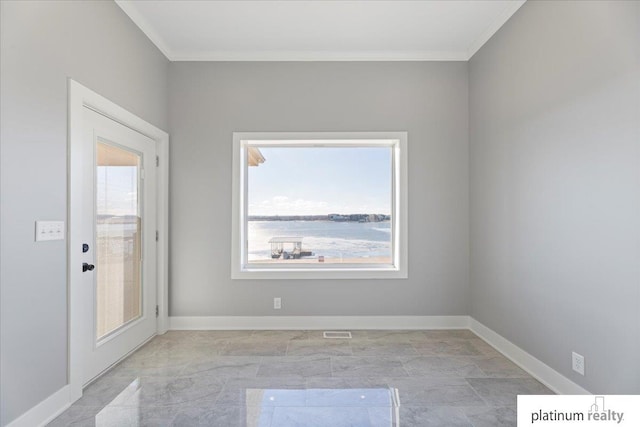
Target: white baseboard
317,322
554,380
45,411
55,404
537,369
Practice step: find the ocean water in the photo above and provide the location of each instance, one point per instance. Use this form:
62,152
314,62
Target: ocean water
326,238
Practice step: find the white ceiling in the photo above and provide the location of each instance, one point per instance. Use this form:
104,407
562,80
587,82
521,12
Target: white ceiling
264,30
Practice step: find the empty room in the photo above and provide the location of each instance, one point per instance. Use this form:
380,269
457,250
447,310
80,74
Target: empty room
319,213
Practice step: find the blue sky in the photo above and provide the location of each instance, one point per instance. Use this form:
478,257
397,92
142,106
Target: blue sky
319,181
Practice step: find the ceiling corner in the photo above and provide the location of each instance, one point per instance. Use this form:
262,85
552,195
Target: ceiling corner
495,26
129,8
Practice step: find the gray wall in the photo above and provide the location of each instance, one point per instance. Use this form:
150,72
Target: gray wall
43,43
555,187
209,101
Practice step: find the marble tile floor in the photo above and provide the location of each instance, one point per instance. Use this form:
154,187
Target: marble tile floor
298,378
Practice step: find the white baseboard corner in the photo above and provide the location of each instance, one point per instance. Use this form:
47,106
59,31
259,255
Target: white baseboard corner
317,322
551,378
45,411
58,402
536,368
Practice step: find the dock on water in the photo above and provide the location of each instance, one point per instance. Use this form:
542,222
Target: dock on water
287,247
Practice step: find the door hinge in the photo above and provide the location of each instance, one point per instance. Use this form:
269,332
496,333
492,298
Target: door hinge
157,235
157,160
157,311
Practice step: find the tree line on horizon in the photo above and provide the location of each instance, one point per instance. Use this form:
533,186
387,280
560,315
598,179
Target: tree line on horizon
329,217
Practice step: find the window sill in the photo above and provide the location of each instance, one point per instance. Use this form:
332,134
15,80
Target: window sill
310,273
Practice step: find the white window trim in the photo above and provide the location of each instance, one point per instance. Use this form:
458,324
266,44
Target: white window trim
399,270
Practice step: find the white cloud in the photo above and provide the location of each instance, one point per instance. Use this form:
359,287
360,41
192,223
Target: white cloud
282,205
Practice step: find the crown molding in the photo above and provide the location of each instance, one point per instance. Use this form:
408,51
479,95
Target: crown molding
507,13
129,8
132,12
320,56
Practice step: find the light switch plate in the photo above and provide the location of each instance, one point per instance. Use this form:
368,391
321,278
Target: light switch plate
49,230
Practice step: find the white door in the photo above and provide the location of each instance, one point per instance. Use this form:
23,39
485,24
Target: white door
119,242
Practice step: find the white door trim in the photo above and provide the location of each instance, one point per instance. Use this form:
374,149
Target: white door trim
80,97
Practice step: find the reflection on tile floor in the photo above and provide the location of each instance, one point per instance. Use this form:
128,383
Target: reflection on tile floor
298,378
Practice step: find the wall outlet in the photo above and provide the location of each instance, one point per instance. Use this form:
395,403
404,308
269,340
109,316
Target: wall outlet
277,303
577,362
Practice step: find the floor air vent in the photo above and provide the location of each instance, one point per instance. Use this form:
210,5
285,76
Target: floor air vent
337,334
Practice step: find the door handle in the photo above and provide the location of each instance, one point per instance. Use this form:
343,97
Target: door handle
88,267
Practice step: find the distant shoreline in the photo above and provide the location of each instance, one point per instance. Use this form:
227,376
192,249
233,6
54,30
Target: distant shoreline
329,217
327,260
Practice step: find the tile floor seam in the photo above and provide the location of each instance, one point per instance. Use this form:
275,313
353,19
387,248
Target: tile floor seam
259,364
331,367
480,369
471,423
359,371
478,394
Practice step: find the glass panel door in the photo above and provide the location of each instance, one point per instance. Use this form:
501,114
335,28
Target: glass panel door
118,238
119,190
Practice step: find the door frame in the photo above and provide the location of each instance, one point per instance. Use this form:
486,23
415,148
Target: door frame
79,98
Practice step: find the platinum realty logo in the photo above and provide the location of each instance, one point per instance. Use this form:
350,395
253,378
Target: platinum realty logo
543,410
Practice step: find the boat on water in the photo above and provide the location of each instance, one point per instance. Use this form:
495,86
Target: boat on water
287,247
